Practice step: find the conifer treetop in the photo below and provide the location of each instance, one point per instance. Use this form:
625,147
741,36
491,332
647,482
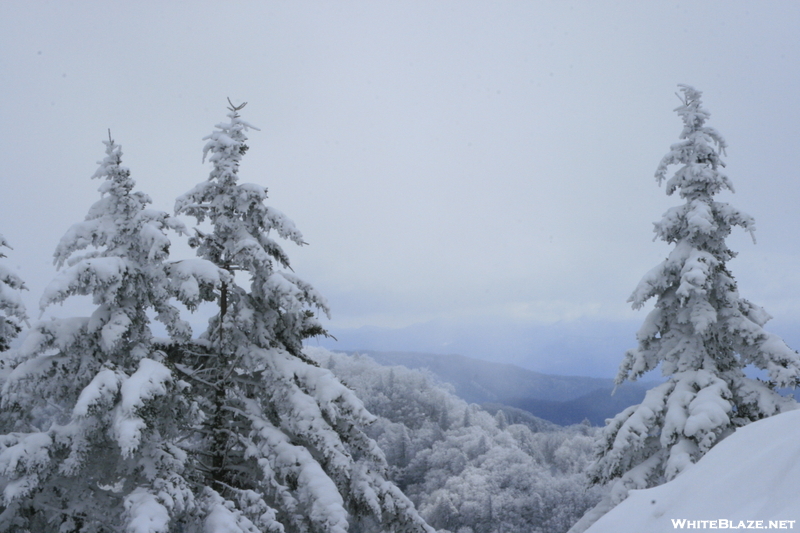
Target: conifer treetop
699,152
240,219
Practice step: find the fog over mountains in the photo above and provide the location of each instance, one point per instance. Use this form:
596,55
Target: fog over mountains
563,400
581,347
585,347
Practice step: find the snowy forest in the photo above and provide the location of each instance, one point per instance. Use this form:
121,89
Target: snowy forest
128,420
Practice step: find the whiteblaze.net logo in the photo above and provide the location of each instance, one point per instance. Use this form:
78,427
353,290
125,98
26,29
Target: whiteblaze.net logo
682,523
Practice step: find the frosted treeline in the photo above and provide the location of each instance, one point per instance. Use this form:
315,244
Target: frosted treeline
466,470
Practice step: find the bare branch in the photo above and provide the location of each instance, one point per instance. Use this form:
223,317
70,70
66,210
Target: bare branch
235,108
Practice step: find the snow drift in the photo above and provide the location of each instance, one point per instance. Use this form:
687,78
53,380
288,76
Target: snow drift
750,476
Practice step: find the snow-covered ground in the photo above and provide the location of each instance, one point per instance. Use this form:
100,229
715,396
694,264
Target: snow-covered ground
749,477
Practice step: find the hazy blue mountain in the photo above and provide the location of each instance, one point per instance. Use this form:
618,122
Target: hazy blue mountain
596,406
578,347
479,381
585,346
560,399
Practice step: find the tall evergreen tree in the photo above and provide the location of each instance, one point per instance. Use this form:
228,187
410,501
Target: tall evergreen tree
282,439
93,416
12,310
701,332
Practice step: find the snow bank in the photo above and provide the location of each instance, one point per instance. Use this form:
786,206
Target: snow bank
750,476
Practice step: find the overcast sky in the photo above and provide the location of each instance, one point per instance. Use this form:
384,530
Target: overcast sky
460,164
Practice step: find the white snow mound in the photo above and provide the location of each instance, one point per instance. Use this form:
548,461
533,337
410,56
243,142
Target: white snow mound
750,476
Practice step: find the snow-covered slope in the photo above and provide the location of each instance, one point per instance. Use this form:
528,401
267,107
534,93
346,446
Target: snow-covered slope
750,476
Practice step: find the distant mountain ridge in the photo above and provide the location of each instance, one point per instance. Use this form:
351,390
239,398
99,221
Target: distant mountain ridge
479,381
595,406
561,399
592,346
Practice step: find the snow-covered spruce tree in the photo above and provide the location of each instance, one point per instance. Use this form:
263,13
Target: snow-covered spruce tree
92,416
701,332
283,448
12,311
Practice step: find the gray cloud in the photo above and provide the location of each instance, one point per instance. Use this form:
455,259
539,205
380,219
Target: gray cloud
446,161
